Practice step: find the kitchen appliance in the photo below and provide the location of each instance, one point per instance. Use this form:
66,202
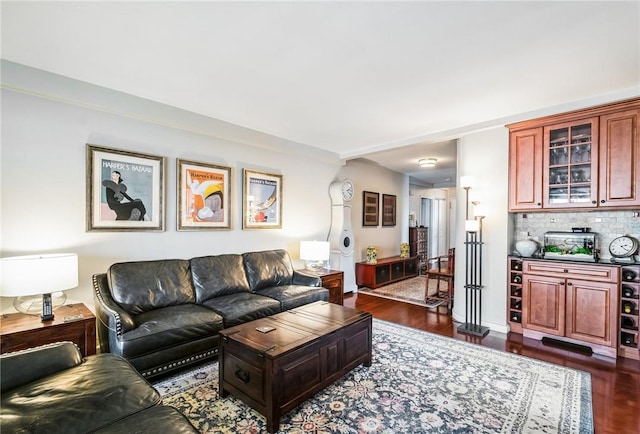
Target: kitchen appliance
571,246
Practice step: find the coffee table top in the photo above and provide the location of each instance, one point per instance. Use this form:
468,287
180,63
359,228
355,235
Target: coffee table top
291,329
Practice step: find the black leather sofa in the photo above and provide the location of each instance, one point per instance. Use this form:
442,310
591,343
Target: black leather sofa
52,389
166,314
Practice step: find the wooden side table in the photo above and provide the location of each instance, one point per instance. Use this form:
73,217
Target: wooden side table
19,331
333,280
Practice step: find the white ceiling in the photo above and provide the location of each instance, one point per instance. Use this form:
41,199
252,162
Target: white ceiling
381,80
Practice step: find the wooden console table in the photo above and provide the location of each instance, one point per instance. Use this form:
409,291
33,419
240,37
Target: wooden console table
19,331
385,271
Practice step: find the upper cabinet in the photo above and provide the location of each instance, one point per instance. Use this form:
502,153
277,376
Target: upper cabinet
570,164
584,159
620,159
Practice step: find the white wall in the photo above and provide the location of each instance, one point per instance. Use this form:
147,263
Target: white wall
370,177
45,128
480,154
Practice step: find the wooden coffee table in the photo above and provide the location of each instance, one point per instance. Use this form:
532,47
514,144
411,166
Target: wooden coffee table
307,349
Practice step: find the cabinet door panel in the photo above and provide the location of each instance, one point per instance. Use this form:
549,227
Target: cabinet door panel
543,307
570,164
591,312
619,159
525,169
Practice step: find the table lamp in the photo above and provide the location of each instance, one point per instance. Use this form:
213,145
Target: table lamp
28,277
315,254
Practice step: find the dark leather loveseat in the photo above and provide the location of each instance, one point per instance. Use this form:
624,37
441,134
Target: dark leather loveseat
52,389
163,315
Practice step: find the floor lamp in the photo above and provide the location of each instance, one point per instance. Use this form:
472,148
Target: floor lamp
473,254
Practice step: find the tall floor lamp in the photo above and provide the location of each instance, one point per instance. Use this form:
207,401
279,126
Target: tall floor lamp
473,253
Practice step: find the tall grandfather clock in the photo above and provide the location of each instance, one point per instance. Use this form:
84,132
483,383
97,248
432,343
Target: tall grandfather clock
340,235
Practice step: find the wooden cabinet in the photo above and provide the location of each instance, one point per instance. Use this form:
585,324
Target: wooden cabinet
514,303
570,164
418,238
20,331
585,159
577,303
333,280
385,271
525,169
619,159
630,312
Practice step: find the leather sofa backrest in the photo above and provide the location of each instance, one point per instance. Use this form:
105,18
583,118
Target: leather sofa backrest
268,268
214,276
147,285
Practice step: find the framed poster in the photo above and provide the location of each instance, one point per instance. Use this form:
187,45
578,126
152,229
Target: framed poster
261,200
125,190
204,196
388,210
370,206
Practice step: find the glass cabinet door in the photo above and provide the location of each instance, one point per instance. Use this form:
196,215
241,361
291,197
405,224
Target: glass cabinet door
569,162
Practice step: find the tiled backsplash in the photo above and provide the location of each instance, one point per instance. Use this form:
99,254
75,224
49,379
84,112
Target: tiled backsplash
607,224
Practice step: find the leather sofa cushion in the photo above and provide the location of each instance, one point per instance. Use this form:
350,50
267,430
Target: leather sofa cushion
291,296
87,397
169,327
147,285
243,307
154,420
268,268
214,276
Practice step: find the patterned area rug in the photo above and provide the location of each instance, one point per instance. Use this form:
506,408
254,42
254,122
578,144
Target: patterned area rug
418,383
409,291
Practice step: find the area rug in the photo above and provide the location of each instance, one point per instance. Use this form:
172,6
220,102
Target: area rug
409,291
419,382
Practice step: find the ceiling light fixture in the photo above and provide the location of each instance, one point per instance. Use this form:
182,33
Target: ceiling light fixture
427,162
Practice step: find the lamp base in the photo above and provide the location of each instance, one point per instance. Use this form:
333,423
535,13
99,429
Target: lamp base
34,305
473,329
314,266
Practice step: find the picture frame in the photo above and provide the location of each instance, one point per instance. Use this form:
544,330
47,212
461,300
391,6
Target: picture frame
388,210
125,190
370,208
261,200
204,196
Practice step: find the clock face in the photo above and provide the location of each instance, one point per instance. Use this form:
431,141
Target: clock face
347,190
623,246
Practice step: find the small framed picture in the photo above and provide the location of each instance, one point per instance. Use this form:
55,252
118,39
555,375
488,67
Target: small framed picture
388,210
125,190
261,200
204,196
370,206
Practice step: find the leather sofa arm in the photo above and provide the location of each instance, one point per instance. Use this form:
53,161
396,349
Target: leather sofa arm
305,279
22,367
112,319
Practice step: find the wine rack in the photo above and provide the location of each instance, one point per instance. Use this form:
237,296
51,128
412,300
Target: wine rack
514,300
630,312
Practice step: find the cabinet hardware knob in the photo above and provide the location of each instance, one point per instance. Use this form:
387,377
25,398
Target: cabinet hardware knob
566,271
602,201
561,283
569,284
594,202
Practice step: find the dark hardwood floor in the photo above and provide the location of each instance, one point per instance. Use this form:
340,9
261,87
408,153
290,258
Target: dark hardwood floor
615,384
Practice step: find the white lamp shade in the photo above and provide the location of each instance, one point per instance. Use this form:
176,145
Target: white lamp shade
38,274
314,250
480,210
471,225
467,181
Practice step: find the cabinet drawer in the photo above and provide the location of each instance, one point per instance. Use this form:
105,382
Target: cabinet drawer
572,271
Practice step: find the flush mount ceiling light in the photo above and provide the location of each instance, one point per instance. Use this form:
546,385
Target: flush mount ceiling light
427,162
